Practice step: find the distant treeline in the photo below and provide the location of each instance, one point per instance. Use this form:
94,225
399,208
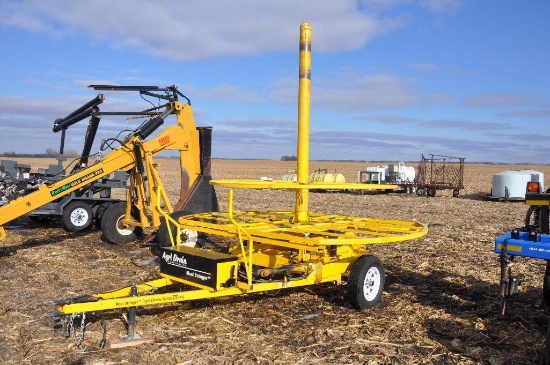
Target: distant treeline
28,155
49,153
72,154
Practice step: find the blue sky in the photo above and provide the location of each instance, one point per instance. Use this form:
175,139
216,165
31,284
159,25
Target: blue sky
391,79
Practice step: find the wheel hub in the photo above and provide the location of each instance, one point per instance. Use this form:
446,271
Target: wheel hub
372,283
188,237
123,229
79,217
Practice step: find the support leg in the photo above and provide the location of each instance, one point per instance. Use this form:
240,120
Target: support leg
132,319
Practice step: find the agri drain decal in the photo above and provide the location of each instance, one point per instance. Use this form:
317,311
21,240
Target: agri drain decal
76,182
183,268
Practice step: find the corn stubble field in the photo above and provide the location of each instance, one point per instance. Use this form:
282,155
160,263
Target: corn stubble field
440,304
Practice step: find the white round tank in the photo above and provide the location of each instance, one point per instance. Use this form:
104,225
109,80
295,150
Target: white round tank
404,173
511,184
535,176
411,174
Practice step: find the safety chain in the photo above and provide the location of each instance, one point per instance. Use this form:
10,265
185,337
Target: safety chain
151,291
103,341
70,328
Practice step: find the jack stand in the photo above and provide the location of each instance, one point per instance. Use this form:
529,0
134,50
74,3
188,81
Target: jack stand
132,338
132,320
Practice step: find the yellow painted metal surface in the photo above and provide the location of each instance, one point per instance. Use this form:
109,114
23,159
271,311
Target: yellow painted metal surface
537,202
143,288
514,248
284,184
277,227
139,301
304,86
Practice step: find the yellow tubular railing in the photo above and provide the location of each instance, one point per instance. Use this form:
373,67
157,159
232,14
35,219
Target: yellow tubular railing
169,220
240,232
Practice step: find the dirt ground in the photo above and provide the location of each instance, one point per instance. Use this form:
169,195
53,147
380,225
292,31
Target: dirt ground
440,305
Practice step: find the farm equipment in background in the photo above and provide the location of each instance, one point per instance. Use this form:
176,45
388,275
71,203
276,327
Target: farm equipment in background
532,240
269,250
124,221
81,207
510,185
77,210
440,173
395,174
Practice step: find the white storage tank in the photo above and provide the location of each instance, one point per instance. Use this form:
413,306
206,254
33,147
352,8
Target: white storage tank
410,173
536,176
401,173
511,184
381,176
406,173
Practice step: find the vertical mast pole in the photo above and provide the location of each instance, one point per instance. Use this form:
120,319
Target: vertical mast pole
302,195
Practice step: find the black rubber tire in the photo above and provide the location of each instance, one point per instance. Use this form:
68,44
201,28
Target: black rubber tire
546,284
431,192
455,193
366,282
112,228
100,210
77,216
420,191
163,235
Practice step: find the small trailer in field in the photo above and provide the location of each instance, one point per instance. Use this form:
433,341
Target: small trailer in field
439,173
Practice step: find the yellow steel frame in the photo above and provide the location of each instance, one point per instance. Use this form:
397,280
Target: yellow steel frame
322,247
265,239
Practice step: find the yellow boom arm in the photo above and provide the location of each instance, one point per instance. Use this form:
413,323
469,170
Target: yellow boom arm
182,137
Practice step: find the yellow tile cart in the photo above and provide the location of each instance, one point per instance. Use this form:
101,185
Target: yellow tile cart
270,250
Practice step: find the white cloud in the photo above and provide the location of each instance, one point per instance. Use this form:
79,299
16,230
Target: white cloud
17,105
498,100
380,4
441,6
367,92
196,29
223,92
466,125
535,113
388,118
